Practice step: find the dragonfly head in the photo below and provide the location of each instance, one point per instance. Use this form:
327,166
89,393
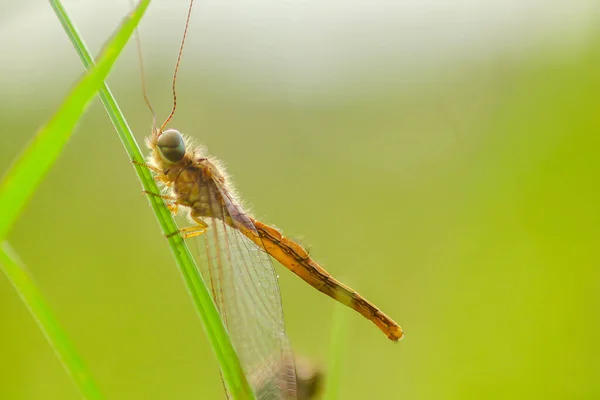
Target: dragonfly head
171,146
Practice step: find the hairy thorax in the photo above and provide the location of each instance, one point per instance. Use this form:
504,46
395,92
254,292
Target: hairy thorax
195,186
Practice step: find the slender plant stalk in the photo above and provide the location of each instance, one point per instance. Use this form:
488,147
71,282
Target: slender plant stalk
232,372
23,177
25,286
337,344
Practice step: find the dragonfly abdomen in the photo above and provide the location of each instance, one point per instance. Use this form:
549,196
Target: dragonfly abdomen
291,255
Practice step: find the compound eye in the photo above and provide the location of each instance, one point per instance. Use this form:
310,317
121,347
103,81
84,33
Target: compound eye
171,145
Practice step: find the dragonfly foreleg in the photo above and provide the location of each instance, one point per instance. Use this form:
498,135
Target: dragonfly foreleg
150,167
160,175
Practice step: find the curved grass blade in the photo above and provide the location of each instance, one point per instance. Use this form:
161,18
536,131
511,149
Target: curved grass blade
337,344
25,286
24,176
27,172
232,373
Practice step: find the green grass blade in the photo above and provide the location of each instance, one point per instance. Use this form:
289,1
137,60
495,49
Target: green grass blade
337,344
232,373
27,172
22,179
25,286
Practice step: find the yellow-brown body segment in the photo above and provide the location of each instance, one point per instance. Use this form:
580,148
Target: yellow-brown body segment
291,255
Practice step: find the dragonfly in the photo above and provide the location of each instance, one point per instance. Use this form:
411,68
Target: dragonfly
237,254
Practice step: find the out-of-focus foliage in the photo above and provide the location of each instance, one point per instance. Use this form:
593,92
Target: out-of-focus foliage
465,206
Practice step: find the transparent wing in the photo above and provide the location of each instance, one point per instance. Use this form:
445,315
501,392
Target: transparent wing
245,289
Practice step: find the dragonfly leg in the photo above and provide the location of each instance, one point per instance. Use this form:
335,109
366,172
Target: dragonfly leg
162,178
162,196
160,175
191,231
172,202
150,167
197,230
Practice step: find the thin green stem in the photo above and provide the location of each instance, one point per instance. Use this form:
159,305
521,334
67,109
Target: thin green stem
337,344
231,369
24,176
17,274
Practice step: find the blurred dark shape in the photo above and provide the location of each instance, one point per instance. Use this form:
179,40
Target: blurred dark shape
310,377
309,382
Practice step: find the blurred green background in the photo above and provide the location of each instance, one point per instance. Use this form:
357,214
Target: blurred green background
439,157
